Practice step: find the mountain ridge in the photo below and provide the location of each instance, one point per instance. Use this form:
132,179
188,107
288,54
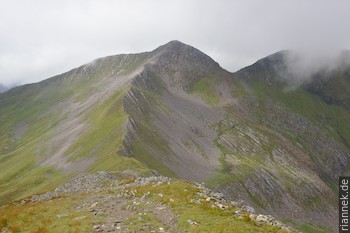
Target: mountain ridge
176,111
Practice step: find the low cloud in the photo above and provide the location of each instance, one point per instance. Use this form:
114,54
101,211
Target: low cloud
301,66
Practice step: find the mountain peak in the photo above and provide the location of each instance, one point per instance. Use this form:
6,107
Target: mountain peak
183,53
274,61
299,67
181,49
180,64
174,44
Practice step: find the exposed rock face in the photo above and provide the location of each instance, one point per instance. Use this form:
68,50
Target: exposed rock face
168,123
181,65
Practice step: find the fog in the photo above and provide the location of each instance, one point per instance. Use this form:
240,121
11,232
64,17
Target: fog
40,38
301,66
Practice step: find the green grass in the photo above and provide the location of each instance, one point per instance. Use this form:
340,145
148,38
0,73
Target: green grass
104,122
42,217
208,219
20,174
60,214
20,171
104,138
136,223
206,89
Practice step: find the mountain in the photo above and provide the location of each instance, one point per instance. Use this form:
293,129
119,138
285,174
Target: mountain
254,135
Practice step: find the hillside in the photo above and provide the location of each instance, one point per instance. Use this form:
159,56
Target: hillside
253,135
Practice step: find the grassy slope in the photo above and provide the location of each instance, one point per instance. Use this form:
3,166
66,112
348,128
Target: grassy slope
43,217
206,89
104,137
333,87
20,174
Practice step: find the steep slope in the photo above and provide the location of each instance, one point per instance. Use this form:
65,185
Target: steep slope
172,131
307,137
250,134
65,125
253,135
75,122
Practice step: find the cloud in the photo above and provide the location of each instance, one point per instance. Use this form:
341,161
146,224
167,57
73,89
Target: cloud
302,65
42,38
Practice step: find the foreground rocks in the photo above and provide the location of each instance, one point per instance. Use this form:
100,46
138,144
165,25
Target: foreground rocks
117,205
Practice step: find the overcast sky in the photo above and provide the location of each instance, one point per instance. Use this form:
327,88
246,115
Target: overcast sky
40,38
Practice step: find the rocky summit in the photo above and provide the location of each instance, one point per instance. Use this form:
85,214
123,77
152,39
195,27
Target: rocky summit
272,137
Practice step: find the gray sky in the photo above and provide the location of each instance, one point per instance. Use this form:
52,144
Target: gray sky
41,38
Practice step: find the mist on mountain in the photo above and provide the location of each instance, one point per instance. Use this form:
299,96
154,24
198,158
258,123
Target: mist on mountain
302,66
